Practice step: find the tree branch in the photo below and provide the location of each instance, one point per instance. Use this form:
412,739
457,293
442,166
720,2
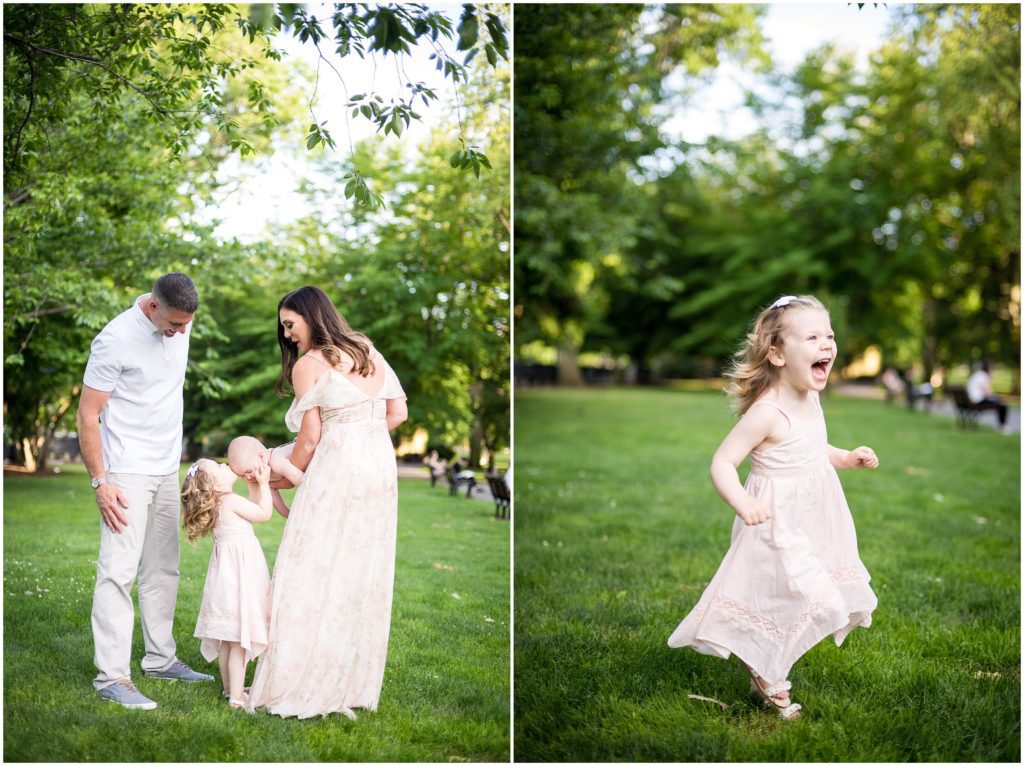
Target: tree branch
31,104
88,60
46,312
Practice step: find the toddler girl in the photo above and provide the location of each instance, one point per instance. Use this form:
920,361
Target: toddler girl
235,613
792,575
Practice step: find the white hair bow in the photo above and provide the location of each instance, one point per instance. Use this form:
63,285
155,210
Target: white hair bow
785,300
192,469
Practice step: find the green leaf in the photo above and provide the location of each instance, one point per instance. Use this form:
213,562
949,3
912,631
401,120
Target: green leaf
469,29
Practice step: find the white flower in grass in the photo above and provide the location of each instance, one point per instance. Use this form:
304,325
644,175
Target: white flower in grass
938,497
980,520
488,619
456,596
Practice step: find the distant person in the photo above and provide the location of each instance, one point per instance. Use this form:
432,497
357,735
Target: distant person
979,391
435,465
234,616
792,575
133,383
893,382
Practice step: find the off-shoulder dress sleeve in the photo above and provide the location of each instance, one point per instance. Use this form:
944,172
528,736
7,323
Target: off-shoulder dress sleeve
316,396
392,386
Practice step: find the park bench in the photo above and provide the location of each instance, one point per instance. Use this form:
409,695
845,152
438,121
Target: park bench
502,497
454,482
915,393
966,411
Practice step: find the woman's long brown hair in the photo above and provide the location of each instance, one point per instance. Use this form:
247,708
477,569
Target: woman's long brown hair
330,333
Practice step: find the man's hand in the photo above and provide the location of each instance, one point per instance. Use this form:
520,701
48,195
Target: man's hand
110,499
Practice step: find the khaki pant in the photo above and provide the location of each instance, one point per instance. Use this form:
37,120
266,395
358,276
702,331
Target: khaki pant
147,547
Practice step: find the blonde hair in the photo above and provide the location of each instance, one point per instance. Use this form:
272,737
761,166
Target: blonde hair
752,373
200,504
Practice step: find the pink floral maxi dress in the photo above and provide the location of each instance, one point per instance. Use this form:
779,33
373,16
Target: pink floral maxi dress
786,584
330,612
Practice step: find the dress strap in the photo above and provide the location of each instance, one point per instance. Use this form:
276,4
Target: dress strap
318,359
776,405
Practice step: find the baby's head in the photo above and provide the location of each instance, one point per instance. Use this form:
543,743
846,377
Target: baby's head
199,499
244,454
757,366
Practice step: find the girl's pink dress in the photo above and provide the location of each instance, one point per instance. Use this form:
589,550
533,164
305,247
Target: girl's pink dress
236,596
786,584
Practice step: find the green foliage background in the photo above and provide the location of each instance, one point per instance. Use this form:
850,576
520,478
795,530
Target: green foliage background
119,119
893,193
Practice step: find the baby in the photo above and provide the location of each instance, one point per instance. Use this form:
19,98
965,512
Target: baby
245,453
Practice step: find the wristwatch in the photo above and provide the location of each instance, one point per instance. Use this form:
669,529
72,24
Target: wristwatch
98,482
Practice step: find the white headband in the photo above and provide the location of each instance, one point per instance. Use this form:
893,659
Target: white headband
192,469
785,300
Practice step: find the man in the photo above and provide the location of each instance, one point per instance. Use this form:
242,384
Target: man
133,383
979,391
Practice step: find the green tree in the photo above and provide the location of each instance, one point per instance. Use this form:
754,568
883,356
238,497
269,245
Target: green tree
590,97
118,118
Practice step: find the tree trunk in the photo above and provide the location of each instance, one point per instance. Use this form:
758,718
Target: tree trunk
26,452
42,454
929,352
476,433
476,441
568,363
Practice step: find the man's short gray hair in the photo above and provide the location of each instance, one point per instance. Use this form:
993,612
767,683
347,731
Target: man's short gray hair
177,291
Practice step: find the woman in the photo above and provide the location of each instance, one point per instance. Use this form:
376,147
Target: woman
334,573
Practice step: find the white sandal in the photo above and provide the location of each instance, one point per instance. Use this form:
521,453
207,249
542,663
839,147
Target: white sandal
769,692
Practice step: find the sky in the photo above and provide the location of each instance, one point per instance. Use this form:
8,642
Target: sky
792,30
268,191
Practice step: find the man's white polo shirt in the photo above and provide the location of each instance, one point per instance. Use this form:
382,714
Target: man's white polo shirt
144,371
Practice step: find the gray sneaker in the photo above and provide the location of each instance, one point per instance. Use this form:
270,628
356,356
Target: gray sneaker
178,671
125,694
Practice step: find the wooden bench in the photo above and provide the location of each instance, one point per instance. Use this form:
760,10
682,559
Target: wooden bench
454,482
966,411
502,497
915,393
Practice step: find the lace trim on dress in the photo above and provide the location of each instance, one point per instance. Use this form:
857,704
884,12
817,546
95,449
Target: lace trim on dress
849,574
768,626
230,617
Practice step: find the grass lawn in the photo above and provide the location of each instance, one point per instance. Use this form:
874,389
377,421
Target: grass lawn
446,687
618,529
